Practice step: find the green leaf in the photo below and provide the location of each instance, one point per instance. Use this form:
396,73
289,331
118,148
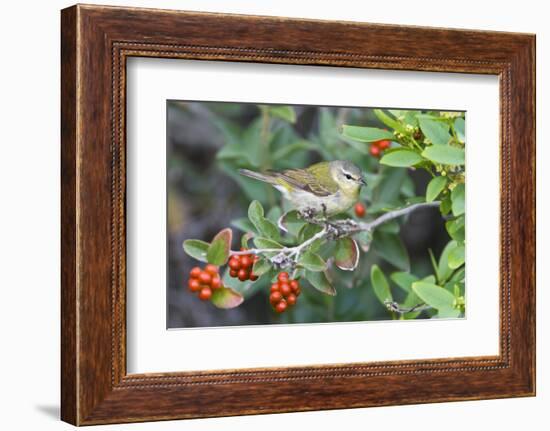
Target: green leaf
263,226
262,242
388,121
448,313
261,266
456,228
443,269
435,187
255,212
428,279
390,247
436,131
346,256
320,281
444,154
286,113
445,206
196,249
225,297
307,231
243,224
460,126
366,134
401,158
380,285
434,295
456,257
267,229
312,261
458,196
404,280
218,251
458,276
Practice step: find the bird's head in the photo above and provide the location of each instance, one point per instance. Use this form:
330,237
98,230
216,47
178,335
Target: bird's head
348,176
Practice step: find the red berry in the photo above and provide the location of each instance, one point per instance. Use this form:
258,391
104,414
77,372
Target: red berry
216,282
297,292
283,276
211,269
234,263
246,261
205,294
193,284
243,274
253,277
205,278
374,150
294,285
281,306
233,273
275,297
383,145
195,272
275,287
285,289
291,299
360,210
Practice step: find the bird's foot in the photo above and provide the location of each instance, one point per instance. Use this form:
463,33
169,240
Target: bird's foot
307,213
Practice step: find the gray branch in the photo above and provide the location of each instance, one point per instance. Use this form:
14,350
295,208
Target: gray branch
287,257
370,226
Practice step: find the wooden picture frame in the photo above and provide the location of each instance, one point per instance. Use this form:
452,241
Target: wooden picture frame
96,41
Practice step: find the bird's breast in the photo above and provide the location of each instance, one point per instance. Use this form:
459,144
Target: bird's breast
333,204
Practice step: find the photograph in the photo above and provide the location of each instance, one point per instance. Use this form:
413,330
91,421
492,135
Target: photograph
303,214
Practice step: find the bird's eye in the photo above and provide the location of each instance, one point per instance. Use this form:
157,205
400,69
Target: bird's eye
348,176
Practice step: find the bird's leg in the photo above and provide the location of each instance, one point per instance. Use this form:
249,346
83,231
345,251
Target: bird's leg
330,227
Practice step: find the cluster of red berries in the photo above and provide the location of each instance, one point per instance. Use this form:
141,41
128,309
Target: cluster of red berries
204,281
284,293
240,266
360,210
377,148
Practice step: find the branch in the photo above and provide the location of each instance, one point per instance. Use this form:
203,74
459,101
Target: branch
392,215
287,257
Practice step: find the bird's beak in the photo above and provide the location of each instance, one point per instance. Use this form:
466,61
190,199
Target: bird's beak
362,181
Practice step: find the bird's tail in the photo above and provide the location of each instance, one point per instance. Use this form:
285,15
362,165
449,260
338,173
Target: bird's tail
266,178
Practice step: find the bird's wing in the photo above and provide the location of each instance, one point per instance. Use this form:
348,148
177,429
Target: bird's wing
307,181
321,172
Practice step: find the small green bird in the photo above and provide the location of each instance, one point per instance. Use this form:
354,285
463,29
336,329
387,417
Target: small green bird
326,188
